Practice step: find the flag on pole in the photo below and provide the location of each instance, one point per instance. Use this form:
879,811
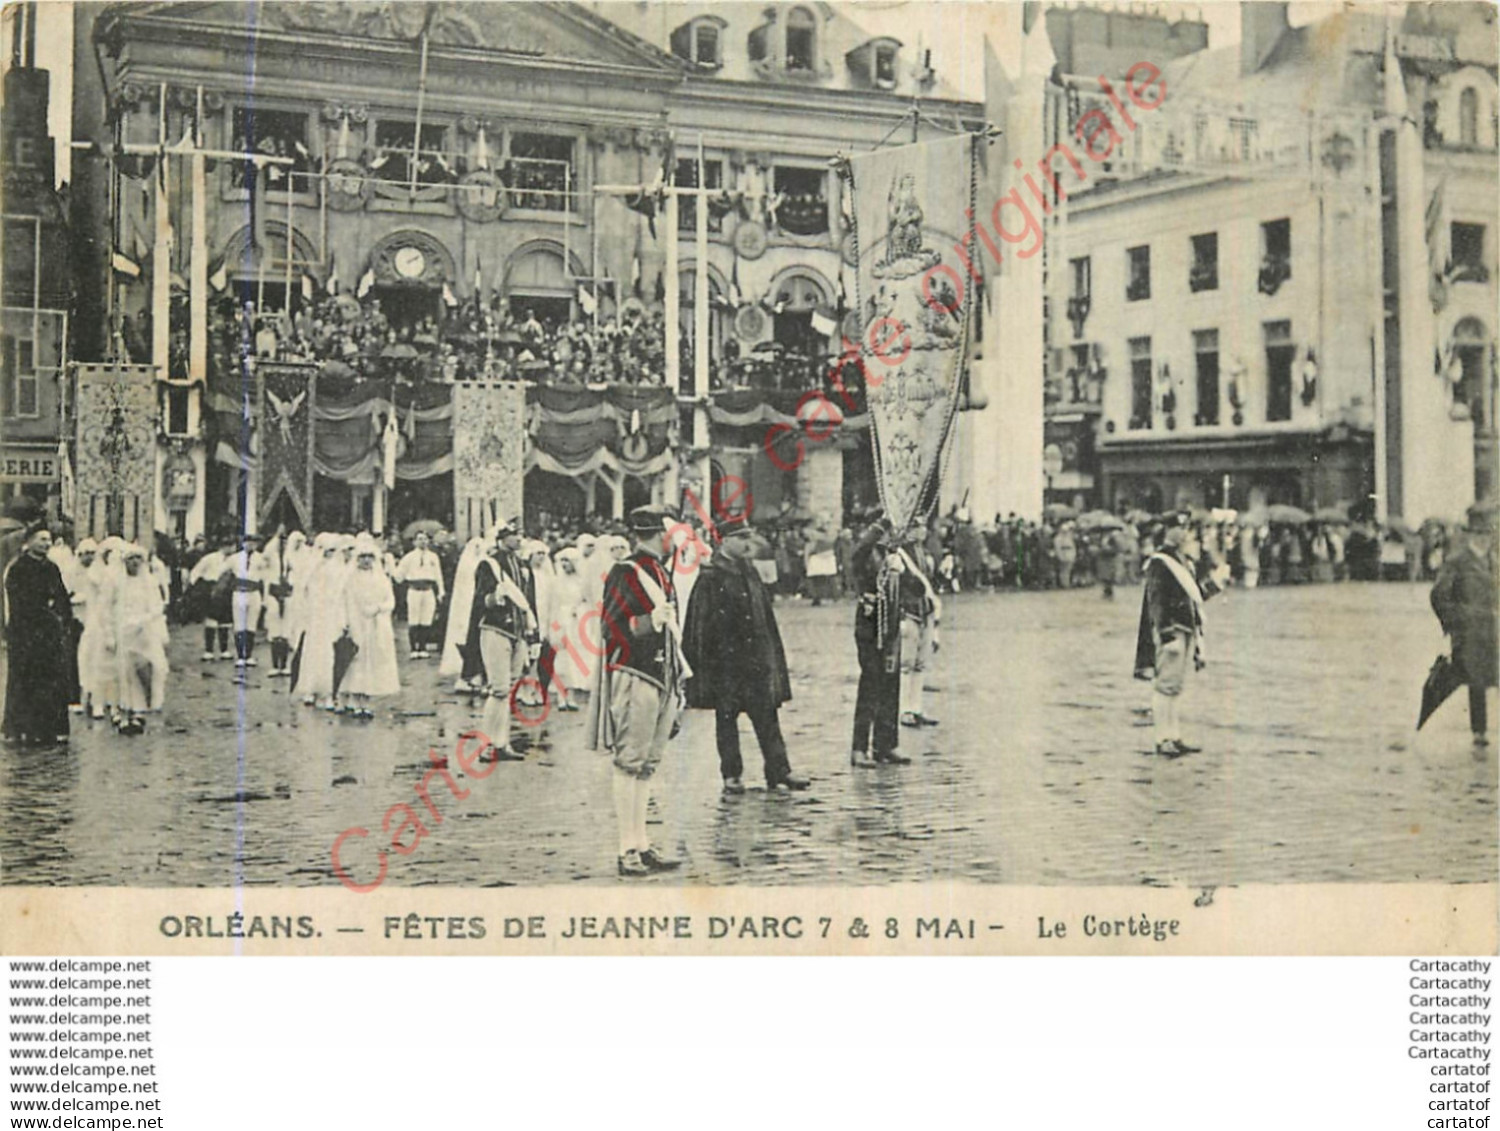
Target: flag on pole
391,444
333,274
125,265
410,428
586,301
1439,246
822,322
449,298
366,281
478,279
307,288
69,486
635,274
220,278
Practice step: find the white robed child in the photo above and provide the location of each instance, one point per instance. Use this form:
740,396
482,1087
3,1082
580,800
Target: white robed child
369,602
454,664
139,621
322,623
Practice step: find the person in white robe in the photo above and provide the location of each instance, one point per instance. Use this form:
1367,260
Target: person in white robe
454,663
323,623
96,650
80,585
280,566
139,643
570,675
422,574
369,602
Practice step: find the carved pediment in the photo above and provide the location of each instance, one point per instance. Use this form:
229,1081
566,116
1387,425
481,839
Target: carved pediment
562,31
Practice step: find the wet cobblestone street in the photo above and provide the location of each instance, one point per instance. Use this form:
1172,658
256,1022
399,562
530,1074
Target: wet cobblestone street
1039,773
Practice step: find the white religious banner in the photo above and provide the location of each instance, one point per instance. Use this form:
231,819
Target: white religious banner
489,454
914,290
115,480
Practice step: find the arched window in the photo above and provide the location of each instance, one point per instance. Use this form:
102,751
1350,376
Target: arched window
1468,117
536,283
801,40
1470,354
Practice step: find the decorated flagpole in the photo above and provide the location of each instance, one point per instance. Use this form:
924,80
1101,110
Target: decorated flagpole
700,330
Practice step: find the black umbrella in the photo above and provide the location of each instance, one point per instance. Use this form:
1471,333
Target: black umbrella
344,651
1444,678
297,664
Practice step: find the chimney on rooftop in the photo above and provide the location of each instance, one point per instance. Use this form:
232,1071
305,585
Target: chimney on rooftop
1262,24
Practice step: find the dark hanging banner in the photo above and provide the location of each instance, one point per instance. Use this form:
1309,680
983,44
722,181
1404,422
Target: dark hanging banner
288,392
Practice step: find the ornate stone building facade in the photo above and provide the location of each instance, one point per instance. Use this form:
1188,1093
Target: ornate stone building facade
418,196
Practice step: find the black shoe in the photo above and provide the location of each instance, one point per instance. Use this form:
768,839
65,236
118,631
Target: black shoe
656,862
909,719
1184,748
1481,739
630,864
500,754
790,783
1171,748
927,720
891,758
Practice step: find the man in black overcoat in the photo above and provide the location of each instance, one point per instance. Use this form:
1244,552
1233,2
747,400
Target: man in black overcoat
1464,597
739,666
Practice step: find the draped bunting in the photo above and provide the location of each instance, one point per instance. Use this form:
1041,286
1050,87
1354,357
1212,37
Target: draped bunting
572,431
915,292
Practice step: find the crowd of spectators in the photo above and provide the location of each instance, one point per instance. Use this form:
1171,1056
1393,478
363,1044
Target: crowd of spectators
501,340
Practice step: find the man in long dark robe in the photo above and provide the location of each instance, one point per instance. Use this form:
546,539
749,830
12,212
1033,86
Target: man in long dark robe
37,610
739,666
1463,597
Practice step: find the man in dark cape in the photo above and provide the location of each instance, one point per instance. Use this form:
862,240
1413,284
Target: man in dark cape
502,631
1464,599
1169,642
37,607
732,643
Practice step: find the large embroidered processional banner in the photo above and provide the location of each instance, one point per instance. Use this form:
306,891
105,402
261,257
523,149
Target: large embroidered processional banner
116,474
288,395
912,208
489,454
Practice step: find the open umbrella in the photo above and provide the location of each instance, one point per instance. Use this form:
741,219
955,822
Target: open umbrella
1136,515
1287,515
428,526
1443,679
1099,520
401,351
1255,516
1331,514
1058,512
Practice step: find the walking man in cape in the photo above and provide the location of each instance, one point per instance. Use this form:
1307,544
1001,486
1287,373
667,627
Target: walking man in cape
1169,642
1463,597
739,667
503,630
638,689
